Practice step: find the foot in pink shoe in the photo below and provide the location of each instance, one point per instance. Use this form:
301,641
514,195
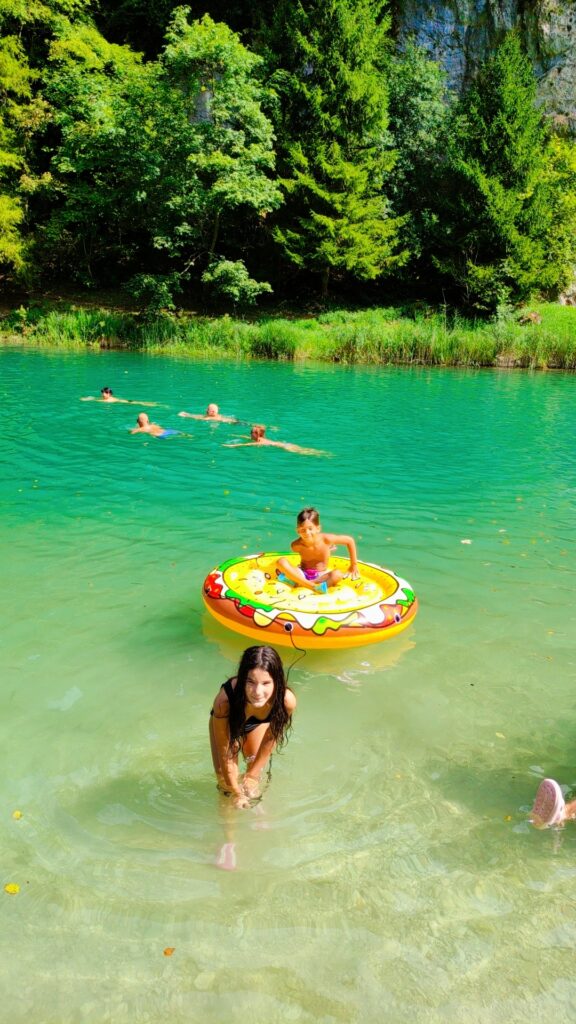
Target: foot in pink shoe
549,806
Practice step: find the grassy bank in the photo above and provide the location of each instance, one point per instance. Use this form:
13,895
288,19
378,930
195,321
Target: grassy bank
546,338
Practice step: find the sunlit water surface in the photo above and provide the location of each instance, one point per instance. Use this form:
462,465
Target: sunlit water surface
391,874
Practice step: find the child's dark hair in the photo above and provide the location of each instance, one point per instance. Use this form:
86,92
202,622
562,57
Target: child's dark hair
280,719
308,514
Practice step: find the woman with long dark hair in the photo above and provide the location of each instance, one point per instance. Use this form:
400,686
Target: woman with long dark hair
252,715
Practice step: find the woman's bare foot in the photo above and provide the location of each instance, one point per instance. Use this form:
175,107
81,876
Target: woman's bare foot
226,857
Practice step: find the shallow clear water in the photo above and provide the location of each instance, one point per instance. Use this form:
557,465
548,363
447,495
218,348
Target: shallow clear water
392,874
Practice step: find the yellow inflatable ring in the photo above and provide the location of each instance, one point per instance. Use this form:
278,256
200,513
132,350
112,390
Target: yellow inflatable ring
246,595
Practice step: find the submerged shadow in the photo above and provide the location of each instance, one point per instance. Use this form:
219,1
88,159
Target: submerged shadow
347,665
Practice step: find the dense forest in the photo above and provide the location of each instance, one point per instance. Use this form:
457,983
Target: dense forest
237,150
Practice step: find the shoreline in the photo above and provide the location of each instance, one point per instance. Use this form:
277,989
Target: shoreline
541,336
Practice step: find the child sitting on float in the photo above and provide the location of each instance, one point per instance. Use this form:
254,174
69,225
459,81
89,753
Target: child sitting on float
314,547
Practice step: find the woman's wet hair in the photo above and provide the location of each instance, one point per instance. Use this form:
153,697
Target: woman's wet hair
280,720
309,514
106,391
258,430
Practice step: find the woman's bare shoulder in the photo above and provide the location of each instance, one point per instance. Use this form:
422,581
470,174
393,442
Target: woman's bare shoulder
221,705
290,701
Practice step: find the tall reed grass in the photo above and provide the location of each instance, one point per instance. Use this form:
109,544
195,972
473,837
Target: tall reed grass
372,336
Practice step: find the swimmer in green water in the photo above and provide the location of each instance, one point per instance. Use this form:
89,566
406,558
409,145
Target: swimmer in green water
107,395
144,426
258,437
212,415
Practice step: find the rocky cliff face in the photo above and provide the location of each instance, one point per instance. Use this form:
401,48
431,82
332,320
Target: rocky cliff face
460,33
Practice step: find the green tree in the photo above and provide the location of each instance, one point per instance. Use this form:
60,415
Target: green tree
500,207
90,220
419,111
25,33
15,92
221,131
154,158
327,59
231,280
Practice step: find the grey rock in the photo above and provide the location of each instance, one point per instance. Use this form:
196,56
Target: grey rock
459,34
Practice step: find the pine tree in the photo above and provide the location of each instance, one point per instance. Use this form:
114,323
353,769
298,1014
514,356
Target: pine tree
497,211
334,147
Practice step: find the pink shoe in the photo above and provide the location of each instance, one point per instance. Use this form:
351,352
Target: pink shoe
226,857
548,806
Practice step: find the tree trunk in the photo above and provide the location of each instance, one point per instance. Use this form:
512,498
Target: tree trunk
324,283
215,233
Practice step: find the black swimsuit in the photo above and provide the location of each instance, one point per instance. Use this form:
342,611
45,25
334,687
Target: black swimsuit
252,722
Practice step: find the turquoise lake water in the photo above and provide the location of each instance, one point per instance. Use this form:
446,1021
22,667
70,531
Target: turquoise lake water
391,874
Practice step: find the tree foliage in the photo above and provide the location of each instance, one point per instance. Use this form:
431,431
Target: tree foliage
501,204
328,59
231,280
142,146
419,110
154,157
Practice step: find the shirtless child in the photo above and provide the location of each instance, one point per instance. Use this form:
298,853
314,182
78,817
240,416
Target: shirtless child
314,547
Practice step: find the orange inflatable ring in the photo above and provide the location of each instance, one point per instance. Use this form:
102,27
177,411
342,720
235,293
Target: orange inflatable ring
246,595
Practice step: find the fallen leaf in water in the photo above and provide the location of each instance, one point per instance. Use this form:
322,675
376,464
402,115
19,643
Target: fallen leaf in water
500,735
12,888
169,950
466,541
17,815
507,817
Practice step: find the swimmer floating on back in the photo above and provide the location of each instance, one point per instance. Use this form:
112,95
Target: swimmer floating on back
212,414
107,395
258,437
314,547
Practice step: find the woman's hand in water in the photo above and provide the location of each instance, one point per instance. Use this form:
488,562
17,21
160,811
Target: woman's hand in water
240,801
251,787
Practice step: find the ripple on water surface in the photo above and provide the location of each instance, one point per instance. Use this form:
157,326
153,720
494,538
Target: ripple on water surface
389,870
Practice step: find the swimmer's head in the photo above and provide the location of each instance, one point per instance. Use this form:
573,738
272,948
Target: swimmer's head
308,515
142,420
106,392
257,432
212,409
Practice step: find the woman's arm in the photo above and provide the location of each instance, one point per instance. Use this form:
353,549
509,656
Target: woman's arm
225,761
265,751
